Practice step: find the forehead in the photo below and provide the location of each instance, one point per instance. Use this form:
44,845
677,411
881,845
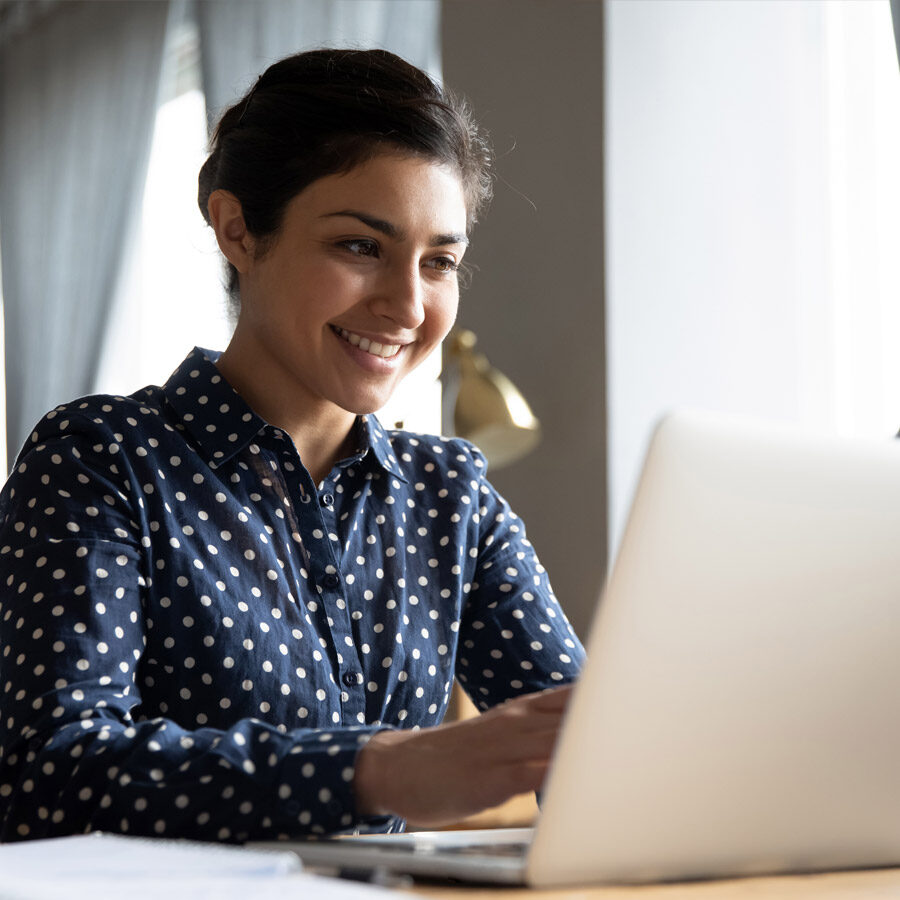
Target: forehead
410,189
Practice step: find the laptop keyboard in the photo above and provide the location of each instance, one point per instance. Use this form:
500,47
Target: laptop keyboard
402,844
513,849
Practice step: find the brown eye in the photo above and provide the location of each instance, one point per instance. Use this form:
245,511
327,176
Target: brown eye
361,247
444,264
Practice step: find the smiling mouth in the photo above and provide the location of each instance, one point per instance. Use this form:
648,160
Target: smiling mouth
385,351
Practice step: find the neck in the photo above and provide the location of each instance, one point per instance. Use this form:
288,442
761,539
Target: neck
319,452
321,431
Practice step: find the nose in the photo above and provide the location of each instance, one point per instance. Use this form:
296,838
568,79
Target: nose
400,296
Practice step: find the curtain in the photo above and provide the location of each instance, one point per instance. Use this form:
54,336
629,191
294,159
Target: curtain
895,14
238,40
78,92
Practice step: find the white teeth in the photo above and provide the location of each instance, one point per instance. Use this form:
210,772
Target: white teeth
385,351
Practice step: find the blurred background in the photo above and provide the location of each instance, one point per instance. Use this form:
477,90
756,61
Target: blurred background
697,204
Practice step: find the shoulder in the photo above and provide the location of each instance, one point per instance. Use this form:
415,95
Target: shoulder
100,419
419,455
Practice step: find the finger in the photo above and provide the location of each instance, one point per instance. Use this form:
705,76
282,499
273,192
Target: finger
522,777
553,699
535,707
520,745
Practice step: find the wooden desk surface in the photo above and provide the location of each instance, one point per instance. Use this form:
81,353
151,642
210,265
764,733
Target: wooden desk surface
877,883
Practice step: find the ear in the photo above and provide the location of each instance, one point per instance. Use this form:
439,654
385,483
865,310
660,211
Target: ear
227,219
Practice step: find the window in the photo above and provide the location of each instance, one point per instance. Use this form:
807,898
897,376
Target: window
170,296
752,218
863,100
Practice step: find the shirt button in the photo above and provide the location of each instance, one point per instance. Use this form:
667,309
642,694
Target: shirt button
331,581
327,499
351,679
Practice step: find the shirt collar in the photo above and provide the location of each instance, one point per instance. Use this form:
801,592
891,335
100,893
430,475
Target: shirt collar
211,410
372,434
222,423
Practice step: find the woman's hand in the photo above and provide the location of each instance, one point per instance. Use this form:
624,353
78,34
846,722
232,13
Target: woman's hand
439,775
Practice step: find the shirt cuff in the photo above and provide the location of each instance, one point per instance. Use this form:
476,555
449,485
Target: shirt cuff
315,791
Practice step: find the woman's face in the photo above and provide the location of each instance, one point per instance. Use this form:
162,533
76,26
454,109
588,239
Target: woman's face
359,285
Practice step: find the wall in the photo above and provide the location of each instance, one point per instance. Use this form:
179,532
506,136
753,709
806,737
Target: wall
533,71
716,217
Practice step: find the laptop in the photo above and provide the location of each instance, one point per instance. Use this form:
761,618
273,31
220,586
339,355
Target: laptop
739,712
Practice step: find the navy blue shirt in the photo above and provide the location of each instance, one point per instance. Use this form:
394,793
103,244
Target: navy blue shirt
196,639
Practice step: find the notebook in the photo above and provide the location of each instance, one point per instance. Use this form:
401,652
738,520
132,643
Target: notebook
738,712
97,865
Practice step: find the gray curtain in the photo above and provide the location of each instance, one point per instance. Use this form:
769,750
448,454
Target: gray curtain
895,15
238,40
78,91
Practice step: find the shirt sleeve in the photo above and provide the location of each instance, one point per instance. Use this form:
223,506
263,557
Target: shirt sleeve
77,750
514,636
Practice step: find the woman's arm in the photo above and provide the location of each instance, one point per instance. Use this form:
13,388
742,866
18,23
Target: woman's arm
514,638
80,750
516,649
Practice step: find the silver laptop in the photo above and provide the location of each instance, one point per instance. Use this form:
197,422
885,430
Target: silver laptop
739,712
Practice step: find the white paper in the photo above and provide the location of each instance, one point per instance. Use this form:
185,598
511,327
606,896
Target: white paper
284,887
111,855
88,867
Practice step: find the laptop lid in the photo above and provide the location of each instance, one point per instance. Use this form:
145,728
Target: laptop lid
738,713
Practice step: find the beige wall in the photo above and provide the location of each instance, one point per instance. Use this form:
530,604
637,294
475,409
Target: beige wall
533,70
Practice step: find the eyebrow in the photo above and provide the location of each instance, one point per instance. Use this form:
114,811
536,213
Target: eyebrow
392,231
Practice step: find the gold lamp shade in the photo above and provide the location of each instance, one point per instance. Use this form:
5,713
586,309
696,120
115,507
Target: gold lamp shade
488,408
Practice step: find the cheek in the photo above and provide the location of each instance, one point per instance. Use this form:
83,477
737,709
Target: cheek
443,316
312,294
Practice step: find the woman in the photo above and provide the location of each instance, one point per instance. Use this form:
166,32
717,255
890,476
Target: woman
233,604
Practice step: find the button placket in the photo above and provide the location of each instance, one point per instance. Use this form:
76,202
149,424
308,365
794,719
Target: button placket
353,700
352,664
326,554
319,550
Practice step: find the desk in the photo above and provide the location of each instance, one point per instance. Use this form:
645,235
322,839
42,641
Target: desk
876,883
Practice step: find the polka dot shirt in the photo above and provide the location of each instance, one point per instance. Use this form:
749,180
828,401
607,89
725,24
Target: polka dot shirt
196,639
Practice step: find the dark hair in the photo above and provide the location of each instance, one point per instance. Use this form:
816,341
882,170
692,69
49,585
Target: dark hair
323,113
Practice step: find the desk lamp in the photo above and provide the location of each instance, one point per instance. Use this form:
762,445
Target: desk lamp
483,405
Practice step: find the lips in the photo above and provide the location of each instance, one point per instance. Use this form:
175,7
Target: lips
384,351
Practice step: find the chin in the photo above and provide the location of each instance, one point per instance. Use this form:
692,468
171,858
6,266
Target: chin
364,407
